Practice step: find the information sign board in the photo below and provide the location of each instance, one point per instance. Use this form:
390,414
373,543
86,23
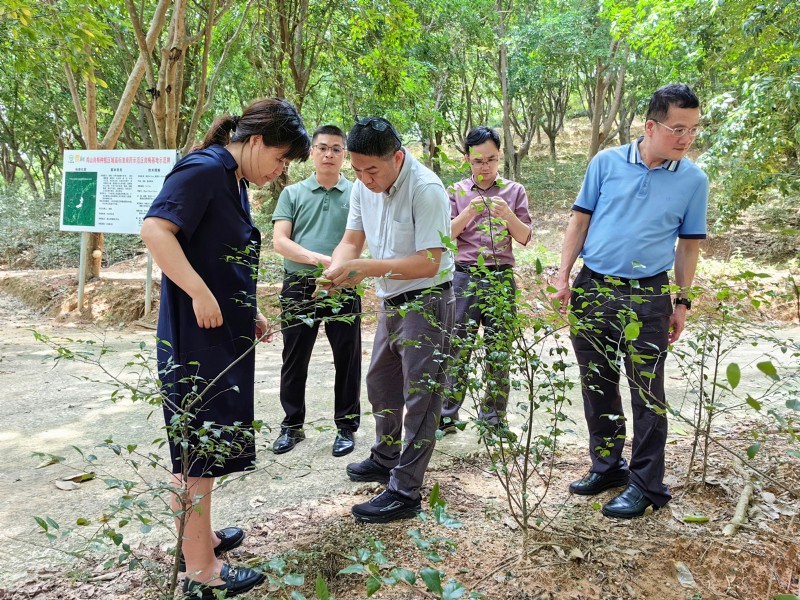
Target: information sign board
110,191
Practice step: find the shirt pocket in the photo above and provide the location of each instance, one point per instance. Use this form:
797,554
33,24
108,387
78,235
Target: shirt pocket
401,238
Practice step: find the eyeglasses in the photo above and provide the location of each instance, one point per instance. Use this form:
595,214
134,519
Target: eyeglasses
323,149
378,124
679,132
475,162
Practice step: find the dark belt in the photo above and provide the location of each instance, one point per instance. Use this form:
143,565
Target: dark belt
625,280
300,275
465,268
414,294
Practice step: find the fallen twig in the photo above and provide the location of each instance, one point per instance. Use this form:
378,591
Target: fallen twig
740,515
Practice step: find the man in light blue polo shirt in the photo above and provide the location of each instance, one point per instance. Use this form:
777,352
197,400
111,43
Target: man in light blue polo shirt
401,209
636,200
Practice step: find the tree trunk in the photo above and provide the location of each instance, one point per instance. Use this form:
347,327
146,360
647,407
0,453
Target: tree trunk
88,119
503,10
508,137
602,117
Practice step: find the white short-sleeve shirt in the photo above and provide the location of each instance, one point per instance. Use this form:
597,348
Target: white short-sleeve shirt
413,215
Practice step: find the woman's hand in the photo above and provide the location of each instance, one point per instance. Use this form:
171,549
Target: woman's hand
206,310
263,333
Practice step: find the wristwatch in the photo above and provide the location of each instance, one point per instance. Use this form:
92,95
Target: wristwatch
685,302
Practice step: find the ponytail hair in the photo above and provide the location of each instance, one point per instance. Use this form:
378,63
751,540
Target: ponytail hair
274,119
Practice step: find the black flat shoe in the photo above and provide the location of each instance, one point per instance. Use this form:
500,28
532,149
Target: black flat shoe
287,440
594,483
229,538
344,443
237,580
629,504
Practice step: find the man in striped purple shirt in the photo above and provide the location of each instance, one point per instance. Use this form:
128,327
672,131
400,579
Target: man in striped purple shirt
487,213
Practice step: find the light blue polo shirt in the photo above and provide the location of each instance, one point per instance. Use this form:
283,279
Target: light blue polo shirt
413,215
638,212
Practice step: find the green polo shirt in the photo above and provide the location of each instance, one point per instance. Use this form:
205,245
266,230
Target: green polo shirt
318,216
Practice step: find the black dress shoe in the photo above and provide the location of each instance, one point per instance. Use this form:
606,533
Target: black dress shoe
343,444
629,504
229,538
447,426
594,483
288,439
236,581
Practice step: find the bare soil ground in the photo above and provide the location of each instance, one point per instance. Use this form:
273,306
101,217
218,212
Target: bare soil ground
576,554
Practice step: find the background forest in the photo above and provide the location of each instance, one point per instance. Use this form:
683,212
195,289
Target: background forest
145,74
562,79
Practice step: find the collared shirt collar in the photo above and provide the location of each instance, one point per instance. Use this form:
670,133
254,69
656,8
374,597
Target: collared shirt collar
313,183
634,157
497,180
226,157
402,176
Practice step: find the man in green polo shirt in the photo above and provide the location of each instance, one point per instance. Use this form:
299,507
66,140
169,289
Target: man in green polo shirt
309,222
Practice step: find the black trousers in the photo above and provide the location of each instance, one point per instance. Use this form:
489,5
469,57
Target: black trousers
604,308
301,317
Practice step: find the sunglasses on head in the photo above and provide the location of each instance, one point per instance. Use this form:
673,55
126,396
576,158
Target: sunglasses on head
378,124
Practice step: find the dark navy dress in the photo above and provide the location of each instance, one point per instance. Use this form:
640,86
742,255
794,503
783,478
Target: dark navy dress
202,197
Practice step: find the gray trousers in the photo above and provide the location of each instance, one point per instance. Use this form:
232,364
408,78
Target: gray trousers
404,384
482,298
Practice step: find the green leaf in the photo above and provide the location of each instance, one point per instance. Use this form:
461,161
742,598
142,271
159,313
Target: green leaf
51,460
768,369
632,331
353,570
277,565
539,267
785,597
373,585
753,402
734,375
453,590
695,519
404,574
294,579
434,499
793,404
321,589
432,579
795,453
753,450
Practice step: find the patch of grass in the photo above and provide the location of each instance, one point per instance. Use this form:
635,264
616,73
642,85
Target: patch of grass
526,257
553,186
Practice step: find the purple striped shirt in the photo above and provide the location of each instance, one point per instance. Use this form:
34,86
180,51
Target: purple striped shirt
492,240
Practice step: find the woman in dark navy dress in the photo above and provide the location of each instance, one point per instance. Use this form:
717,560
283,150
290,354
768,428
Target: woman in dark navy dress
201,235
